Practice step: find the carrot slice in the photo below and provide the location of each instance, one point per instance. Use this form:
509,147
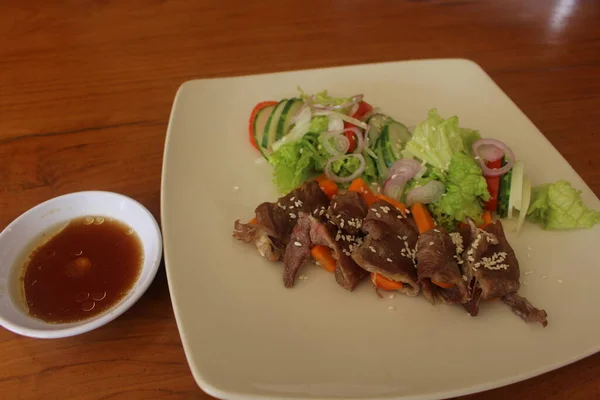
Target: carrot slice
399,205
322,254
253,114
444,285
385,283
253,221
328,186
360,186
422,217
487,218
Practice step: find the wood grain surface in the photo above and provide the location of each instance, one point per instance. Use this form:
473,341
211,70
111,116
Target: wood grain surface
86,88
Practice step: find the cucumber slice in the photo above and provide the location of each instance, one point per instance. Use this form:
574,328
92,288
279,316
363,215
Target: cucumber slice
376,123
283,127
398,136
260,122
504,194
380,163
526,198
516,188
270,131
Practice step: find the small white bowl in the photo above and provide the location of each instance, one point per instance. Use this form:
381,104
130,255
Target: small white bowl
20,233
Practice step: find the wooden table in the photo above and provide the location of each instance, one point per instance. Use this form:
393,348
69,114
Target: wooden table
85,93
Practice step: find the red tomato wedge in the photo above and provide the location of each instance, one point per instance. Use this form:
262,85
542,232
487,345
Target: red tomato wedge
253,114
493,184
363,109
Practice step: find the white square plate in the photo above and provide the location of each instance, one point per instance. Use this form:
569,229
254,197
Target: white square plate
247,337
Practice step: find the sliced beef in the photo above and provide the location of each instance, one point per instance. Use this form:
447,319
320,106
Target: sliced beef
347,211
437,263
389,246
525,309
297,250
347,273
492,268
275,221
253,233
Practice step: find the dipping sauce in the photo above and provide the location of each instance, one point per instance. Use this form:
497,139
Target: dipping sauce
81,271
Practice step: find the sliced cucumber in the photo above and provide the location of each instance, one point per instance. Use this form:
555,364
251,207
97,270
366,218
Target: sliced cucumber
526,198
285,121
504,194
398,136
380,163
270,131
516,188
376,123
260,122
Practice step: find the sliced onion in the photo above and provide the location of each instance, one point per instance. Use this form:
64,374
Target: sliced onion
482,148
299,112
344,179
399,174
393,188
300,129
360,142
405,167
431,192
354,109
344,117
335,123
340,145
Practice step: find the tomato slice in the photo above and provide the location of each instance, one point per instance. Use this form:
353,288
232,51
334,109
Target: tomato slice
253,114
493,184
361,111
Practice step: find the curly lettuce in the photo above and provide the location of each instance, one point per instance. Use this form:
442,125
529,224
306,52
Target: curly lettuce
559,206
437,140
466,188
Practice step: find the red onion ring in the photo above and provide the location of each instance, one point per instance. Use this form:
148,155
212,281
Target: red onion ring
344,179
399,174
431,192
335,123
482,160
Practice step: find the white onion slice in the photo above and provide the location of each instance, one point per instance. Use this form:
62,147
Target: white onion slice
344,117
298,130
340,145
431,192
344,179
335,123
399,174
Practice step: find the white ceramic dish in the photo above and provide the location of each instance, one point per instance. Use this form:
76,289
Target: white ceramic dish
248,337
18,236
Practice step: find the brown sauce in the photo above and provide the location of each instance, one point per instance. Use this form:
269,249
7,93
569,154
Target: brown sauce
82,271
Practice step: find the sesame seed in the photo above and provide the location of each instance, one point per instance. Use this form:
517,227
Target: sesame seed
293,198
236,188
372,249
292,215
297,244
431,243
378,215
388,259
398,236
477,157
334,206
528,273
392,308
465,278
560,281
399,216
544,277
404,238
374,209
391,296
341,223
317,263
407,211
529,248
322,212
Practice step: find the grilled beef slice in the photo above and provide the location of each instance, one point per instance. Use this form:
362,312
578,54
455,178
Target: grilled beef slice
389,247
493,271
347,211
275,221
437,262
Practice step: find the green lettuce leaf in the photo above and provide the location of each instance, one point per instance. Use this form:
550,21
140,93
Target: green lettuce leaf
465,189
436,140
559,206
295,162
323,98
319,124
